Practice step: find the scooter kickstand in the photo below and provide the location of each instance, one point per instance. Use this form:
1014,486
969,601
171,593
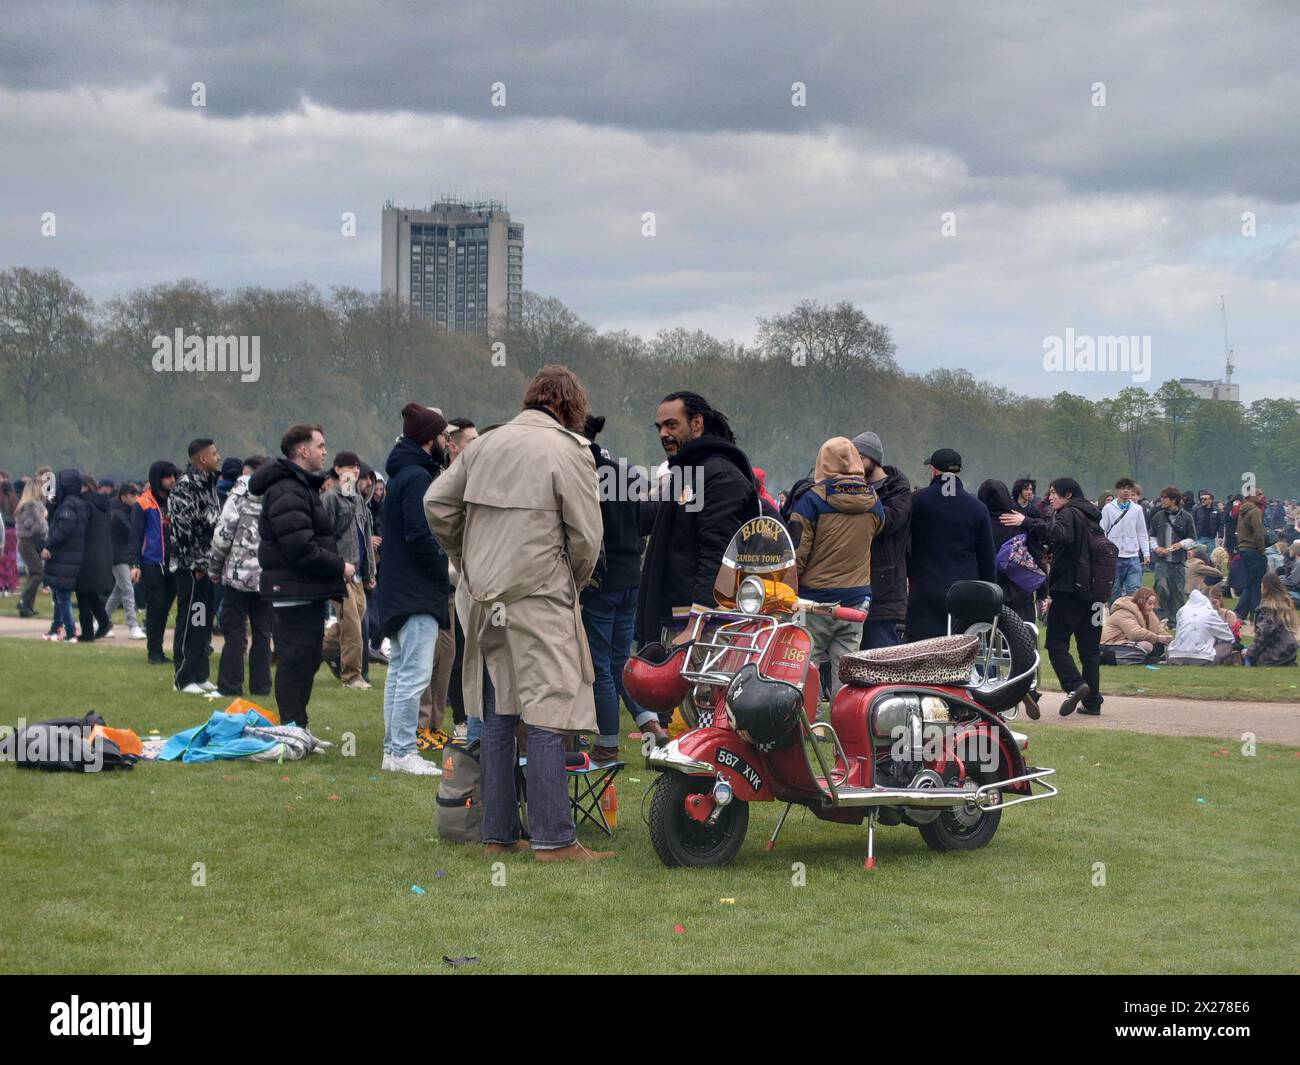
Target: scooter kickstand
871,841
771,843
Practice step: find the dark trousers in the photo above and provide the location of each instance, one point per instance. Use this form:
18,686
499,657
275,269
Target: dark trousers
94,618
239,611
1072,615
609,618
159,593
879,634
1256,569
550,814
31,554
455,686
193,633
299,638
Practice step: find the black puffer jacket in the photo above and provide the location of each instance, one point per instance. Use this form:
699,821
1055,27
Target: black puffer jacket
686,545
412,566
297,552
120,521
889,549
96,576
67,540
619,567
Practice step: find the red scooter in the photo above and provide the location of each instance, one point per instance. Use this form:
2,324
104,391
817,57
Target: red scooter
917,733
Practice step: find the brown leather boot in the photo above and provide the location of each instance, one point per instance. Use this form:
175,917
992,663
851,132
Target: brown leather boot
493,850
603,755
657,731
1031,706
574,852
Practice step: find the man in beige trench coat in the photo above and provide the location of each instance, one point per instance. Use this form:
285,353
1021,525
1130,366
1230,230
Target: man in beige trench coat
520,516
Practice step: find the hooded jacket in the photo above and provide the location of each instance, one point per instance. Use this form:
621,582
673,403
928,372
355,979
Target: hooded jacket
120,522
1199,631
833,526
296,547
412,566
96,576
236,538
688,536
66,541
997,498
1063,535
193,508
1250,526
619,567
149,525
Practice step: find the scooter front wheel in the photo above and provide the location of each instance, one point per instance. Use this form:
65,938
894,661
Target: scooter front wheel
680,839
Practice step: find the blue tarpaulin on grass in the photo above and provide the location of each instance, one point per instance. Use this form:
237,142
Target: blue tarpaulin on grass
222,737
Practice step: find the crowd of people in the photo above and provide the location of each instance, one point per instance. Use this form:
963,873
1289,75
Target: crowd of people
495,572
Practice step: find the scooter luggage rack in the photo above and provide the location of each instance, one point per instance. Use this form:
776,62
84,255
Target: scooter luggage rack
723,640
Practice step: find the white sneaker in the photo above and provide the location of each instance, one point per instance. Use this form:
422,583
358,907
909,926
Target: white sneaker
386,645
415,765
136,633
191,689
208,686
461,732
388,762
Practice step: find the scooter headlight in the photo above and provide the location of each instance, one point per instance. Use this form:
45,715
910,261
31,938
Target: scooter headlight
750,597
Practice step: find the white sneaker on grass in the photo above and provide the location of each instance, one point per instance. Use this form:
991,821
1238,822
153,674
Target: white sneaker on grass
136,633
208,686
415,765
191,689
388,762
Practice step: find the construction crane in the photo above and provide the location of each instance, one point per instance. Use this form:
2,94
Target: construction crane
1227,373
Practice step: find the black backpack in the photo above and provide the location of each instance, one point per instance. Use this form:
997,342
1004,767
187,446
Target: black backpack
792,497
61,745
1098,561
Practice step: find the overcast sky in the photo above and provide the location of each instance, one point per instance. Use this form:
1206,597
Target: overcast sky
1125,218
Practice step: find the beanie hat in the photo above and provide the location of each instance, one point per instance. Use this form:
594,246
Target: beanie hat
869,446
346,458
421,423
231,469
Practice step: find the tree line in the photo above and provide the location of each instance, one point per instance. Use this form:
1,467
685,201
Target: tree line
78,387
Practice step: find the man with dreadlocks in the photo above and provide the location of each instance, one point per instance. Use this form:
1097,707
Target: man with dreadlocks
689,533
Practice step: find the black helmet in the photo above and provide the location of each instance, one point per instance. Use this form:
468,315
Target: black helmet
762,711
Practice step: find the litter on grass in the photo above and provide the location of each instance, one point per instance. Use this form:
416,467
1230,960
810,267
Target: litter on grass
416,889
440,873
678,929
468,959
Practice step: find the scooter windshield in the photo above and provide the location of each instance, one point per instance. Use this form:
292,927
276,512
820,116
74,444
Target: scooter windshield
761,548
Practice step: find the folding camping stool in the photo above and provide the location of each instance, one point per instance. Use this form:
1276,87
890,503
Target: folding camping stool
590,782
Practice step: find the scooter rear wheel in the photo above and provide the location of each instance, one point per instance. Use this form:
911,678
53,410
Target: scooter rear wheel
679,839
958,828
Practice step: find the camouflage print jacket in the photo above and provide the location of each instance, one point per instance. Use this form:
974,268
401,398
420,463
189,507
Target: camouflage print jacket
235,539
193,509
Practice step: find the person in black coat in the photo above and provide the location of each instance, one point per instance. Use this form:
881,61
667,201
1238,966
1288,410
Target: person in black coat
952,540
716,494
65,548
995,496
301,565
1072,611
889,548
95,579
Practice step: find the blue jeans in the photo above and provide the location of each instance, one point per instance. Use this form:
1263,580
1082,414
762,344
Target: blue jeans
1128,577
609,618
879,634
550,815
409,668
1256,569
63,613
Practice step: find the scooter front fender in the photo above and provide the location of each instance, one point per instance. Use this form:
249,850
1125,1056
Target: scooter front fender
713,752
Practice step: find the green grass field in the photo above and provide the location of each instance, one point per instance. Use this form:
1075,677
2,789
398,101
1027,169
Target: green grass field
310,866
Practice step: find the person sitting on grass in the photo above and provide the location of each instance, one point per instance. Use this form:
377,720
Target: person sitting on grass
1276,626
1220,559
1199,570
1133,632
1202,637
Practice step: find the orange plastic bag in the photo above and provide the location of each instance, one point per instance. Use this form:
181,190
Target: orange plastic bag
126,739
240,706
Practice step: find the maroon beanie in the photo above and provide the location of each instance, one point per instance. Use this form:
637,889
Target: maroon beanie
421,423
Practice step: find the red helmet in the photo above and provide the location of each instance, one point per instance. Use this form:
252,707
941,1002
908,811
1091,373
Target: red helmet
653,677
